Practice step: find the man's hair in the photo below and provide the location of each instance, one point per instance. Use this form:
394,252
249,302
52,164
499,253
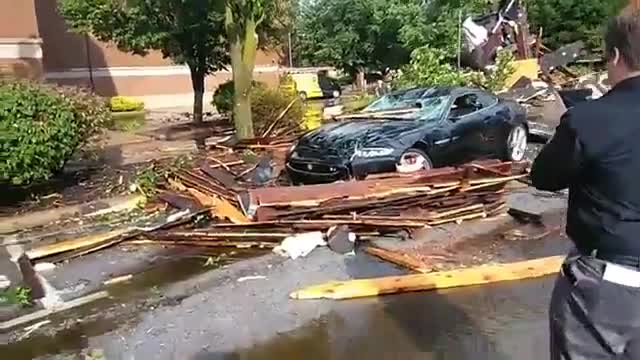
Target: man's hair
623,33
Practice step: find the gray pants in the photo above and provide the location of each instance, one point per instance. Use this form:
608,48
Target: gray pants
591,318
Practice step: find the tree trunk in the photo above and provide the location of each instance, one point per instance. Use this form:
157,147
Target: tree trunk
242,94
243,58
360,80
197,82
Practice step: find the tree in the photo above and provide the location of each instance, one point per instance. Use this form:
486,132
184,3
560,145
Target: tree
250,24
355,35
189,32
566,21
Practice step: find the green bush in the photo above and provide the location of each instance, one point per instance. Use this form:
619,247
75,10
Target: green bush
223,96
42,126
91,112
267,104
125,104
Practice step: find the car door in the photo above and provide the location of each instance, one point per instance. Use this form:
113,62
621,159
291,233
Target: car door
492,117
467,128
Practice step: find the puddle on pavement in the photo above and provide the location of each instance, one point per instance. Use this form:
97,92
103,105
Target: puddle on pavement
496,322
127,300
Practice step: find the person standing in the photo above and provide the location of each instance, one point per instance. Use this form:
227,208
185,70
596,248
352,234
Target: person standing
595,307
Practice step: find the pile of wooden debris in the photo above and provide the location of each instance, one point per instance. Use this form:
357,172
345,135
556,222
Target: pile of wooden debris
249,216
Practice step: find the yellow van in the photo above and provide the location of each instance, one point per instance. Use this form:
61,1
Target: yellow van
307,85
312,86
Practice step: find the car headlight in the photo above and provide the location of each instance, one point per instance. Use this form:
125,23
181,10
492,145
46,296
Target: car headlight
373,152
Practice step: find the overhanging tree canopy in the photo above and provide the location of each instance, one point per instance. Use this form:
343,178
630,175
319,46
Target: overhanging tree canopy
189,32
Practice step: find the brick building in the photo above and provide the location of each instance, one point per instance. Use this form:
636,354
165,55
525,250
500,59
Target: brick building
35,42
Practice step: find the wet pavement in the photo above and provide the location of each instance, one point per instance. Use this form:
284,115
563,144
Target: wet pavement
180,310
504,321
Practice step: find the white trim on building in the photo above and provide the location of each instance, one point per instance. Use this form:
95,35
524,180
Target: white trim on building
83,73
19,48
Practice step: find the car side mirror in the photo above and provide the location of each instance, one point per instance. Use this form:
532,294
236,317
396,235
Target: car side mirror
454,118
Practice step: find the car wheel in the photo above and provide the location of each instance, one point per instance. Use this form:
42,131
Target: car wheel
302,95
414,160
517,143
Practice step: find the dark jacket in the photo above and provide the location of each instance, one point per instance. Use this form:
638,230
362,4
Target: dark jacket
595,152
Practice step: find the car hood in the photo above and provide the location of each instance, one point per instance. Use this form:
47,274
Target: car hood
342,139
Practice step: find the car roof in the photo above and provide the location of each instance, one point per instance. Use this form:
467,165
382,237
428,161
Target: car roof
439,90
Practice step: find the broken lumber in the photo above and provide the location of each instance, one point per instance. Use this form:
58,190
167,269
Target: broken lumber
196,235
401,260
75,244
216,244
338,290
220,208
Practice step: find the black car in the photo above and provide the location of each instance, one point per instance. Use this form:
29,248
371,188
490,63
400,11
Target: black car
447,126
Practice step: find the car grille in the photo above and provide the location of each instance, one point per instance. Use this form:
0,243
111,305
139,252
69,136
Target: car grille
316,167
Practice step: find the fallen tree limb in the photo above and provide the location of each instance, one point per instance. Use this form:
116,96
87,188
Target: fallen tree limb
338,290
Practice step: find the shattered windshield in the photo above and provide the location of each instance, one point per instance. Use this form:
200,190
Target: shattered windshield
432,108
396,101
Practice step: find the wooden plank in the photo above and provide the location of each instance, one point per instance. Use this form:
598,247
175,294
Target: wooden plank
439,280
214,244
220,207
402,260
75,244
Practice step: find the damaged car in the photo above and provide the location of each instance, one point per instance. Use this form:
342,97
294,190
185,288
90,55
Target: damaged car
445,126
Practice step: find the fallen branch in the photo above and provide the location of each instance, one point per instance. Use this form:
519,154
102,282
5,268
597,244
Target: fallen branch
282,114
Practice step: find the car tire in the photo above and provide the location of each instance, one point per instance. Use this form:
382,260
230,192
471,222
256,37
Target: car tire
302,95
515,148
423,163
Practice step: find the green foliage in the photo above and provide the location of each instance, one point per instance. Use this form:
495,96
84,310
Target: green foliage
16,296
497,77
429,67
223,96
376,34
91,111
187,31
566,21
267,104
125,103
349,34
42,126
148,179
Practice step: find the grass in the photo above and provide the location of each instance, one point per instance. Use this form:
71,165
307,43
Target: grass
16,296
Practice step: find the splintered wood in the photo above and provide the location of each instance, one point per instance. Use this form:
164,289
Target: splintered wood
382,204
422,199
